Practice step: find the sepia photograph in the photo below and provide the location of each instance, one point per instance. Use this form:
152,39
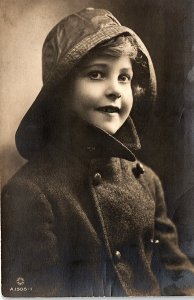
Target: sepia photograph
97,148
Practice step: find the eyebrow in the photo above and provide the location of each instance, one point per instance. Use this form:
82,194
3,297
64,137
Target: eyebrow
130,70
86,66
102,65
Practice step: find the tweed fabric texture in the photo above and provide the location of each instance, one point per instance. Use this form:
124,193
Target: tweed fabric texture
68,232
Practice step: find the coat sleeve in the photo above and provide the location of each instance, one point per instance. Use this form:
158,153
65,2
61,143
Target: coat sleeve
176,275
29,243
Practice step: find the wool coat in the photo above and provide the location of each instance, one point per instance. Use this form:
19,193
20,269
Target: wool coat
85,218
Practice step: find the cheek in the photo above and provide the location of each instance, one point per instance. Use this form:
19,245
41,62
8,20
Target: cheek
76,96
87,98
128,103
82,102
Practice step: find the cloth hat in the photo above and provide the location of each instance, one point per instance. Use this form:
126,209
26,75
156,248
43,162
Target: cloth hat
63,48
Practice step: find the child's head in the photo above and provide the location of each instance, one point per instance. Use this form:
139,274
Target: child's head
98,89
99,68
101,87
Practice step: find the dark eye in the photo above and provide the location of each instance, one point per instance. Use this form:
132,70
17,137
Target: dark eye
96,75
124,78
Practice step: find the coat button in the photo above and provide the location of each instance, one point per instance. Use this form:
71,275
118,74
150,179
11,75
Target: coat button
97,179
118,255
138,170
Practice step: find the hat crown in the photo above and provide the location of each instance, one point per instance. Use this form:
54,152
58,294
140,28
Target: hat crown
70,32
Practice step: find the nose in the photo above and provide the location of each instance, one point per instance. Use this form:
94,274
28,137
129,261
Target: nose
113,92
114,96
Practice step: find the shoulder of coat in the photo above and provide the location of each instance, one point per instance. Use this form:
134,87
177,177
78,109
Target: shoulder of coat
28,174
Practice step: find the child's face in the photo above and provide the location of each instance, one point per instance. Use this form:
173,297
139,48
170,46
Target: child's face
101,91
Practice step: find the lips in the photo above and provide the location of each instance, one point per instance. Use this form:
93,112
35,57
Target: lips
108,109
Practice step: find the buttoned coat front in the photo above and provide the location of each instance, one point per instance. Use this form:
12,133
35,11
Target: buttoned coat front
84,220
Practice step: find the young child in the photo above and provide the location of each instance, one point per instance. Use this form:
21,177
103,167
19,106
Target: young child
83,217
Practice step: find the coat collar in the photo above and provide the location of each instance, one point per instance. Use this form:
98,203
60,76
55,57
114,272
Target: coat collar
88,141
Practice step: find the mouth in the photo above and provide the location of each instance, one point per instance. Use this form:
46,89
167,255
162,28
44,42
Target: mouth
109,109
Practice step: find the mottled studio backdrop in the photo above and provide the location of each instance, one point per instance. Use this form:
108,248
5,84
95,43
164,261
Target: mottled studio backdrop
167,28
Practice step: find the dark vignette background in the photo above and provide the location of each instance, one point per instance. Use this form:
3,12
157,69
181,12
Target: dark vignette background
167,28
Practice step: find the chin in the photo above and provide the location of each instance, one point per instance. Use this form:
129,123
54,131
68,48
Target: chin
110,130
